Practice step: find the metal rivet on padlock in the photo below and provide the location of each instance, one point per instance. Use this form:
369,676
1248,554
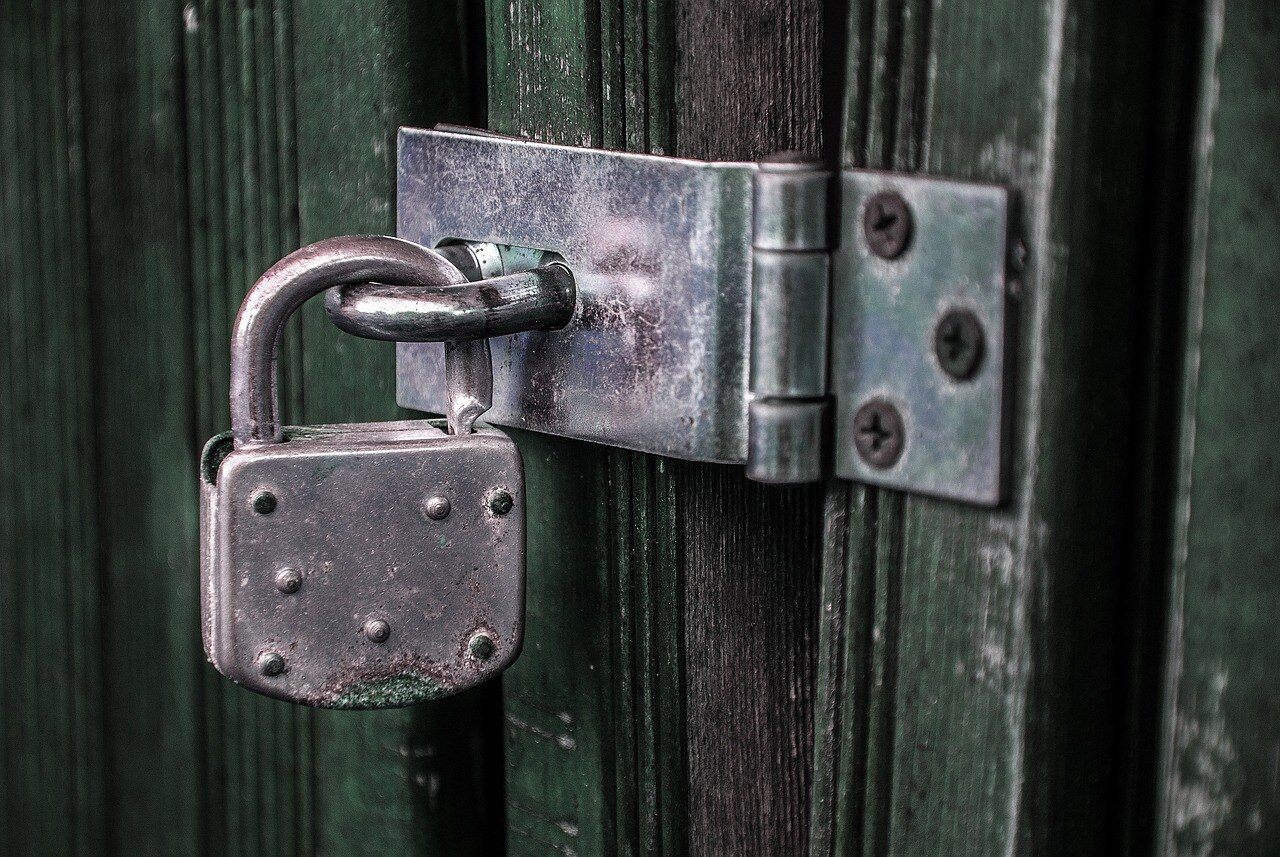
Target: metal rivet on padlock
365,516
377,630
289,580
437,507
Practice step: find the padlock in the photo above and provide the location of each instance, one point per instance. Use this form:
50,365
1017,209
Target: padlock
367,565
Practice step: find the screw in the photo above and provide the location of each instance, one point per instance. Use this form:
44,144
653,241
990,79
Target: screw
958,343
481,646
500,502
886,223
878,433
377,630
289,580
264,502
271,664
437,507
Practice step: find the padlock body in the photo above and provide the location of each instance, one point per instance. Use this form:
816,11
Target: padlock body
314,548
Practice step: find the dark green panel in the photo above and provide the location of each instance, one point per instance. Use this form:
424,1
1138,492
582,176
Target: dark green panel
146,441
976,714
750,80
712,626
51,734
1219,789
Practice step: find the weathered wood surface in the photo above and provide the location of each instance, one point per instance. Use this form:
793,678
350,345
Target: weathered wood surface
969,667
971,682
694,737
594,707
1218,781
156,158
53,747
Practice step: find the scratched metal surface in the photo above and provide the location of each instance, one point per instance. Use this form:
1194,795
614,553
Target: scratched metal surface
655,358
884,317
350,516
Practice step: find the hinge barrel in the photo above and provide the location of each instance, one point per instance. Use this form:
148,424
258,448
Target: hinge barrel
790,297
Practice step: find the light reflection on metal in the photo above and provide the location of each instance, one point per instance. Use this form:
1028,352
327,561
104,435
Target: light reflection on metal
655,358
658,356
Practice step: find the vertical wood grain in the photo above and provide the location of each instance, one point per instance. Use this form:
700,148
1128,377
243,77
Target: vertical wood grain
242,188
735,614
1219,792
51,671
399,782
594,707
141,297
987,685
750,81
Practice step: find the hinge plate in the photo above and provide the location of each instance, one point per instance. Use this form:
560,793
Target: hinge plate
657,355
886,319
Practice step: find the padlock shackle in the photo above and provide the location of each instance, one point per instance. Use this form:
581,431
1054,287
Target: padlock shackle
303,274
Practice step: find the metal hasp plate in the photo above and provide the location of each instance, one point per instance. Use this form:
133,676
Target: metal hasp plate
655,358
918,338
658,356
368,565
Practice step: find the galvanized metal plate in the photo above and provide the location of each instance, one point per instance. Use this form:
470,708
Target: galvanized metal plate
354,510
886,314
656,356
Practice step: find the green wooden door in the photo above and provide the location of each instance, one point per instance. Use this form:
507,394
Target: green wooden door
711,666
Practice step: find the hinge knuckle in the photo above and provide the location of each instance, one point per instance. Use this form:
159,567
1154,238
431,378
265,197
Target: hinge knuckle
790,295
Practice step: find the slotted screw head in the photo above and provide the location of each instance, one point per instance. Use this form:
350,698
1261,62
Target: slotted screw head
271,664
878,433
437,507
377,630
481,646
289,580
886,224
958,343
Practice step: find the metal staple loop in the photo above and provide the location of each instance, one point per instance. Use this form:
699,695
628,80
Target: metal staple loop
539,299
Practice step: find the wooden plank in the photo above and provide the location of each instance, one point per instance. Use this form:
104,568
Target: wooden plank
401,782
1218,790
138,245
51,755
977,714
749,81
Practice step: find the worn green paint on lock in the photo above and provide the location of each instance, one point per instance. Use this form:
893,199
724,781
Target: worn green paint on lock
406,688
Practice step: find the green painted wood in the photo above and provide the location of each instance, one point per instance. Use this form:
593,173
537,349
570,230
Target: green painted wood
969,668
158,156
51,737
138,234
150,172
1218,788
